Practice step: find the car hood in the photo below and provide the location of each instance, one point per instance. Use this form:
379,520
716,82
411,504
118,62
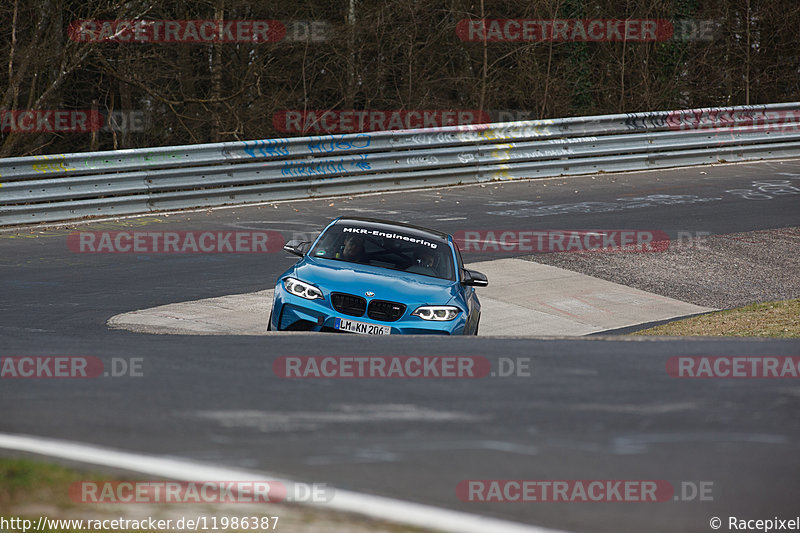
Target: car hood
340,276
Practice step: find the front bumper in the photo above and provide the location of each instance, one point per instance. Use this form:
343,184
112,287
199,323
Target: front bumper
293,313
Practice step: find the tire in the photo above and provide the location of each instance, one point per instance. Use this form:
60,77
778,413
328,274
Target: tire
477,324
269,322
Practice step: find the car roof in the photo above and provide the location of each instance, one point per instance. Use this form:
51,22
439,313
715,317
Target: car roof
376,223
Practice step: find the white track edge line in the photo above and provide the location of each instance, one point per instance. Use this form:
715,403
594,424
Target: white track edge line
379,507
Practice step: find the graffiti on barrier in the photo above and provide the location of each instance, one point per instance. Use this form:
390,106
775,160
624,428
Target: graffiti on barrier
336,143
266,148
51,163
322,167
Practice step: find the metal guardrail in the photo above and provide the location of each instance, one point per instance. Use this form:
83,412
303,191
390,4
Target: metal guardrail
70,186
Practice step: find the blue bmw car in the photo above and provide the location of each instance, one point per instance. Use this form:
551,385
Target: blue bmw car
377,278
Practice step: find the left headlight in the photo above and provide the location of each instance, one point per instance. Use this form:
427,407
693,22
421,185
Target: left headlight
302,289
437,312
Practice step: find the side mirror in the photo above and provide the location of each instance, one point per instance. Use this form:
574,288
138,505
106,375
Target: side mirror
474,278
297,247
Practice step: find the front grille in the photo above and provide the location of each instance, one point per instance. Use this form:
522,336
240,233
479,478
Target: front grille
348,304
385,311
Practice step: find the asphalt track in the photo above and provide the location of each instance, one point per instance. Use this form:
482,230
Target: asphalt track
592,409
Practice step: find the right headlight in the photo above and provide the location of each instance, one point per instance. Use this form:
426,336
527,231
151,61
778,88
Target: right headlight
437,312
302,289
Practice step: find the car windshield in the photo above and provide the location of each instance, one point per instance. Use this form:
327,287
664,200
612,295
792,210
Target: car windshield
386,248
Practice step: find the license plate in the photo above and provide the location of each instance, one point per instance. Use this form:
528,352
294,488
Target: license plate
354,326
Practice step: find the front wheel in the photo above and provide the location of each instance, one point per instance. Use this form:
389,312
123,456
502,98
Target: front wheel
269,322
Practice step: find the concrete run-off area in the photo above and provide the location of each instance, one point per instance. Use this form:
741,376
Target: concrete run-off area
523,298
